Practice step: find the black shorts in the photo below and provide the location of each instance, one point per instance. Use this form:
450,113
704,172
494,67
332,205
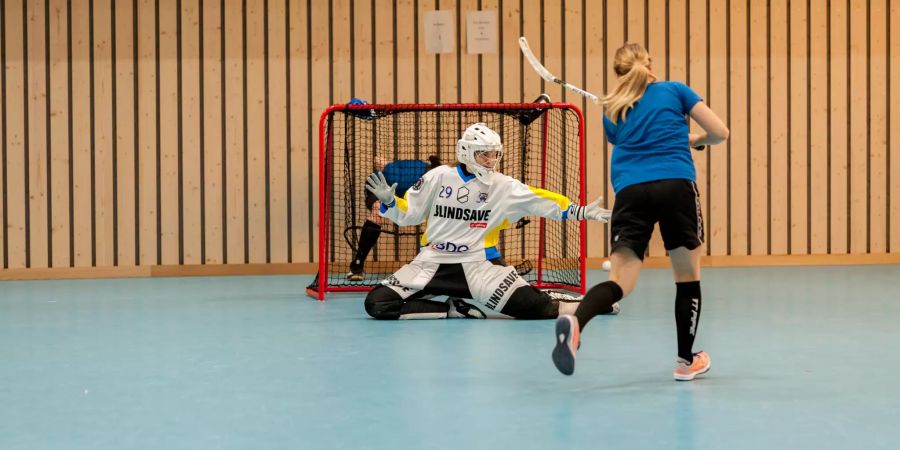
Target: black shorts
675,204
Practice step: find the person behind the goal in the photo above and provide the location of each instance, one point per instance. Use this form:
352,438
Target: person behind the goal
403,172
466,205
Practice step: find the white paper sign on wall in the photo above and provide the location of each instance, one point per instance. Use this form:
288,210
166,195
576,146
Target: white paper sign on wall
439,34
481,31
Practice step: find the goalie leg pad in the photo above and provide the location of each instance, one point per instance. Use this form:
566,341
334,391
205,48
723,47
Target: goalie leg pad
385,304
492,286
411,278
528,302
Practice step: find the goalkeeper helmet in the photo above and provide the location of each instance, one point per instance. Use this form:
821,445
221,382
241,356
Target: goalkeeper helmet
480,149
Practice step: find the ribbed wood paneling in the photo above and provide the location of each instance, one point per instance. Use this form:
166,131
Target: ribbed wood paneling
175,132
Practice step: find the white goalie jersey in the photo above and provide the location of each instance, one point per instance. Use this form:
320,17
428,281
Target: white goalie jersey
465,216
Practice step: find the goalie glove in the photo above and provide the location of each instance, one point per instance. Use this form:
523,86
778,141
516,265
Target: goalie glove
591,211
378,186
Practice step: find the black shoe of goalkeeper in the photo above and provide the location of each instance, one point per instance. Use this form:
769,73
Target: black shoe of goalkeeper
356,271
459,309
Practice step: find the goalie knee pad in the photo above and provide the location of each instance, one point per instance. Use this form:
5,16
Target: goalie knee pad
527,302
383,303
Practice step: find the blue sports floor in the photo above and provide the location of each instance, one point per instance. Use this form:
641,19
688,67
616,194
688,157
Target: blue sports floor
802,358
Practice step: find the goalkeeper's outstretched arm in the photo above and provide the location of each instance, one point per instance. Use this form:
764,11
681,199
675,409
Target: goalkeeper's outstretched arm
541,202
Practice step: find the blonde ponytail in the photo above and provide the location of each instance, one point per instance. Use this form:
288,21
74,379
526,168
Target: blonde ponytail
632,65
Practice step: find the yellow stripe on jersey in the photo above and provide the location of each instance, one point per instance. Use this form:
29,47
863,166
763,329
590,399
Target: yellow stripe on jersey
492,238
560,200
402,203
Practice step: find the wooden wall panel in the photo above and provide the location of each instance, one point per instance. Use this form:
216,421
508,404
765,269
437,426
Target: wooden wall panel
384,64
491,73
839,134
616,21
876,82
448,76
276,60
718,212
106,239
190,110
858,129
551,49
532,84
405,48
363,51
319,100
257,148
169,192
797,127
697,76
893,137
4,205
676,40
656,38
125,134
469,74
146,179
82,146
758,143
234,158
38,154
635,17
819,113
303,126
427,71
509,18
740,125
212,132
778,99
16,148
60,181
173,132
595,42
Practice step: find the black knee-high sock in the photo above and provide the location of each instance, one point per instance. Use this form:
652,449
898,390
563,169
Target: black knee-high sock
687,316
598,300
368,237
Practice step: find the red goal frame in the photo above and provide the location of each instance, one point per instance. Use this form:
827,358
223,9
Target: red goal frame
325,192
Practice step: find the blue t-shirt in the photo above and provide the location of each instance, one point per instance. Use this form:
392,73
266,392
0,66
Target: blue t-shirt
405,173
652,143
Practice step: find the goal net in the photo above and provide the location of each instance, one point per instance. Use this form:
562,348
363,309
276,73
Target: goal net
543,147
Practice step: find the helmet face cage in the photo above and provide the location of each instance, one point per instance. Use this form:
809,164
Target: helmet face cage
479,140
492,152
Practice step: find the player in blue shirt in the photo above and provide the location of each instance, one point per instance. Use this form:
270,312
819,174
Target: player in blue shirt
405,173
653,176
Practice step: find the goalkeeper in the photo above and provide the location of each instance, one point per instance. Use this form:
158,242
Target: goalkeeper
466,205
403,173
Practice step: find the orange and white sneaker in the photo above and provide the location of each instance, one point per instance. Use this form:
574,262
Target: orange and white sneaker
686,372
567,334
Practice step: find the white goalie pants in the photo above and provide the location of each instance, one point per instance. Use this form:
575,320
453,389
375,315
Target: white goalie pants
488,285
